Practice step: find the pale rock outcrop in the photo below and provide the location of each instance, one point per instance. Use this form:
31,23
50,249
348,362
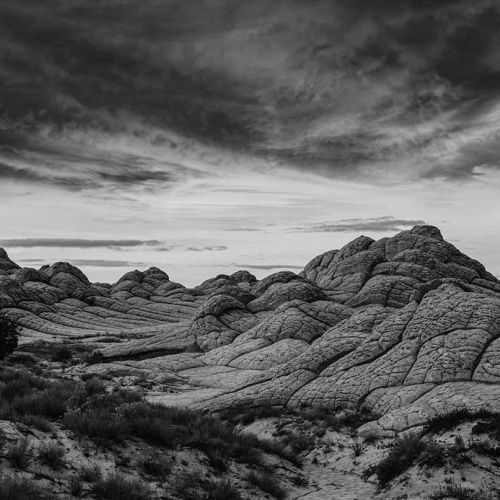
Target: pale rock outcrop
407,327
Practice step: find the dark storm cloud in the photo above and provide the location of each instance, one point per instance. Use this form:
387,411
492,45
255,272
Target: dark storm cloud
74,243
382,224
336,85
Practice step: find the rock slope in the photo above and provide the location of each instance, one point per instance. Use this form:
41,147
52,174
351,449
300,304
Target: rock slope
407,327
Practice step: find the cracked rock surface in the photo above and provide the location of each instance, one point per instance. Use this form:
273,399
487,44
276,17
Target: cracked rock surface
407,327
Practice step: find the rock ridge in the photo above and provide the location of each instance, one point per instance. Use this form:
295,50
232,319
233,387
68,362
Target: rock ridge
407,327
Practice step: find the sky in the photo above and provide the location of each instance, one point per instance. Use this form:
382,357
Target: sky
207,136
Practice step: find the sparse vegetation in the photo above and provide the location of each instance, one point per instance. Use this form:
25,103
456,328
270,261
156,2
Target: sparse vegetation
404,452
191,486
484,447
16,488
249,415
457,491
448,421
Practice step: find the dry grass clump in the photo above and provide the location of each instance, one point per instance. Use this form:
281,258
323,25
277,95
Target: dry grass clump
17,488
118,487
52,455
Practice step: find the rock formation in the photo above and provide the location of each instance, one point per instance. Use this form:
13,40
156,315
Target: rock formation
407,327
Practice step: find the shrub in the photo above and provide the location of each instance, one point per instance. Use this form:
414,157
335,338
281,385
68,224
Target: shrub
100,418
490,426
62,354
18,381
118,487
433,454
246,416
188,485
51,402
75,485
191,486
94,357
19,454
52,455
94,386
298,443
90,473
267,483
9,333
14,488
484,447
154,465
221,490
399,458
37,421
447,421
357,448
99,424
455,490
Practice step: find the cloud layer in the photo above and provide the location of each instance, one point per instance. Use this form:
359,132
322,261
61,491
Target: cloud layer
377,224
74,243
345,88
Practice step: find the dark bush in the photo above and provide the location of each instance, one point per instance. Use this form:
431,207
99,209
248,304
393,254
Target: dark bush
221,490
100,417
246,416
155,465
18,381
490,425
118,487
94,357
52,455
433,454
402,454
9,334
14,488
62,354
94,386
192,486
484,447
448,421
37,421
19,454
90,473
51,402
75,485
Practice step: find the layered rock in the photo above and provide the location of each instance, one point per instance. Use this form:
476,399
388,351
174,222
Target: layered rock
407,327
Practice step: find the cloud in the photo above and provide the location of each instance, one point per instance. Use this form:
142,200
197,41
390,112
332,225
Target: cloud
75,243
214,248
94,263
350,88
378,224
266,267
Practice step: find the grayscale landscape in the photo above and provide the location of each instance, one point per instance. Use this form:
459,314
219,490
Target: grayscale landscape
249,250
